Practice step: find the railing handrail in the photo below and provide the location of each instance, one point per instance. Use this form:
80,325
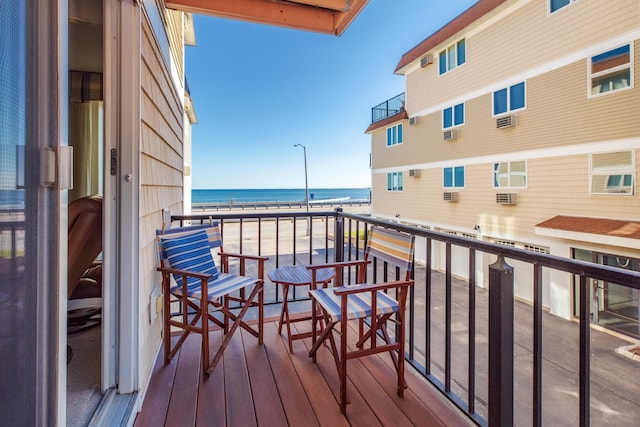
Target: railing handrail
501,298
573,266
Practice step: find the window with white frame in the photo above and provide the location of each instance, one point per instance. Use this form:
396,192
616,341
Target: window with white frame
555,5
611,71
453,56
612,173
394,135
394,181
509,99
510,174
453,177
453,116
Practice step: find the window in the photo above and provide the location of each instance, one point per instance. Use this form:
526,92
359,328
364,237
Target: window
453,56
394,181
612,173
510,174
453,177
394,135
509,99
555,5
453,116
611,71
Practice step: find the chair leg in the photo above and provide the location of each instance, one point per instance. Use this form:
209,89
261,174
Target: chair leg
260,312
232,329
343,366
204,315
166,326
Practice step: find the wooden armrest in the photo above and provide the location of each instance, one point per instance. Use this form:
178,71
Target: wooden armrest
184,273
338,264
367,287
245,256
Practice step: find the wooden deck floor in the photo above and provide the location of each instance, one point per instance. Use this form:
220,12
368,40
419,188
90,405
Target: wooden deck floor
266,385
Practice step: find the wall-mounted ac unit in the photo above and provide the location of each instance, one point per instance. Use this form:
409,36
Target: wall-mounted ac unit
450,196
426,60
414,173
414,120
506,121
450,135
507,198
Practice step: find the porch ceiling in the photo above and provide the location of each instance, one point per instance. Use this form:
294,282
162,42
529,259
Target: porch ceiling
323,16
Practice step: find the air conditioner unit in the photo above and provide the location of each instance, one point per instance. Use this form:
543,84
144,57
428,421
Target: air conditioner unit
506,121
450,135
414,120
507,198
426,60
414,173
450,196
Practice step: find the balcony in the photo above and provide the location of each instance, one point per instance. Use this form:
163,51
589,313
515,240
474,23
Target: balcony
388,108
543,370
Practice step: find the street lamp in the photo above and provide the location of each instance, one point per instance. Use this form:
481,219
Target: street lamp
306,182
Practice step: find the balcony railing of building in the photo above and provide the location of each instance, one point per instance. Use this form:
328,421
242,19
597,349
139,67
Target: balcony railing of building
388,108
461,337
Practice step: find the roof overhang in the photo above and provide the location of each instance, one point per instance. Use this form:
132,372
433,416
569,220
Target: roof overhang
323,16
622,233
402,115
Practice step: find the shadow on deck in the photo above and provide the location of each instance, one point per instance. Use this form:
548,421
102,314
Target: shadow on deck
266,385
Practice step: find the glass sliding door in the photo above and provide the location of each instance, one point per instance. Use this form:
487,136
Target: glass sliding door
613,306
29,214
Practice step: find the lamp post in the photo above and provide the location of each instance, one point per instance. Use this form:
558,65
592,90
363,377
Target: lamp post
306,182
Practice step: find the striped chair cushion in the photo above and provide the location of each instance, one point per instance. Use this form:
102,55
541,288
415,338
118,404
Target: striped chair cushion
358,305
190,252
224,285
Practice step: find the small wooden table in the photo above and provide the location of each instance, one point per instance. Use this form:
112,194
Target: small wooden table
296,275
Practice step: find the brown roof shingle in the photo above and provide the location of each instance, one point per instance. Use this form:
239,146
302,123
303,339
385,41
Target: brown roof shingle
603,226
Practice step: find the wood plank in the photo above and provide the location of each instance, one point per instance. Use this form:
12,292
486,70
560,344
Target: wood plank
211,410
358,410
318,392
298,410
237,389
266,385
266,400
184,396
382,369
156,402
422,395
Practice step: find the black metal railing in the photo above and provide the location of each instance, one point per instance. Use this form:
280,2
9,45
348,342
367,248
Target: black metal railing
461,337
388,108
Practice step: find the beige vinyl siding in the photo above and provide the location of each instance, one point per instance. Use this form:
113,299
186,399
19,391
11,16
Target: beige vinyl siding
556,185
176,45
161,179
546,39
558,113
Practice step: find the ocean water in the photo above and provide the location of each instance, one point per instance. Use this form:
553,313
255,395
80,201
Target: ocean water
278,195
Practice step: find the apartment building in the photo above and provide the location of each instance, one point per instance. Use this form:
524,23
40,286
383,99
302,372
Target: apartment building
519,126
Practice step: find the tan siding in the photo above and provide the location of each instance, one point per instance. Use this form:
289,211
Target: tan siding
558,113
174,27
161,181
504,49
556,185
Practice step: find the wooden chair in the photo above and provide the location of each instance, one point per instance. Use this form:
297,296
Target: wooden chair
364,301
185,254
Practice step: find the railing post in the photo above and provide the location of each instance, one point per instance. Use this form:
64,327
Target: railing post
500,344
338,247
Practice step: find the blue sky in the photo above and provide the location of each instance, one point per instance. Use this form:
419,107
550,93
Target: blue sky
258,90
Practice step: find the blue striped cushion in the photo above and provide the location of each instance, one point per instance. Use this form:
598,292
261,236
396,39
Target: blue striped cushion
358,305
190,252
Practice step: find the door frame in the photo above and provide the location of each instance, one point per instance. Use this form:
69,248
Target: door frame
122,32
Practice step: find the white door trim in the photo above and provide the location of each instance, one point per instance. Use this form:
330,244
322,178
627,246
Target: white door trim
121,213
